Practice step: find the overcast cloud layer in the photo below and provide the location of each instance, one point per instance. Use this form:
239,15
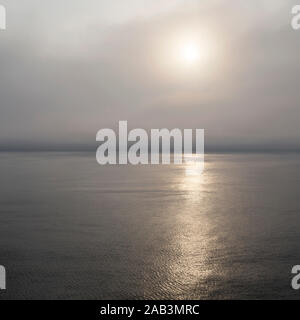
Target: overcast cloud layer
72,67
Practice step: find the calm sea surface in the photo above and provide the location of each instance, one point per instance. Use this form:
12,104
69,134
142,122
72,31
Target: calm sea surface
71,229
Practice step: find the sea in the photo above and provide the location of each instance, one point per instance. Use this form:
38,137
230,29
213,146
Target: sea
72,229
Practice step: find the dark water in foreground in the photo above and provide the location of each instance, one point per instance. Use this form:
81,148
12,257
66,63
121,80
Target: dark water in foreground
71,229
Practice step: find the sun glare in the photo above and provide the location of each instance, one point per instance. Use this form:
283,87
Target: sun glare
190,52
187,53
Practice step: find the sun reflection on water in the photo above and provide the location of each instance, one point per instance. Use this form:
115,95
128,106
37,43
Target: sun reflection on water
194,165
191,242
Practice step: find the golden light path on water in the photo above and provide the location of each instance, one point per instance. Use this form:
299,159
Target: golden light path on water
191,240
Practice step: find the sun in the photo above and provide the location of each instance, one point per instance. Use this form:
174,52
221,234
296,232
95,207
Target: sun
190,52
187,53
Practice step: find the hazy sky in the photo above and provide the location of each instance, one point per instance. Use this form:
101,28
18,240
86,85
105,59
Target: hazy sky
72,67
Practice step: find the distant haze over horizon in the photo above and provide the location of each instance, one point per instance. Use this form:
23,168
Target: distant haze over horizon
70,68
